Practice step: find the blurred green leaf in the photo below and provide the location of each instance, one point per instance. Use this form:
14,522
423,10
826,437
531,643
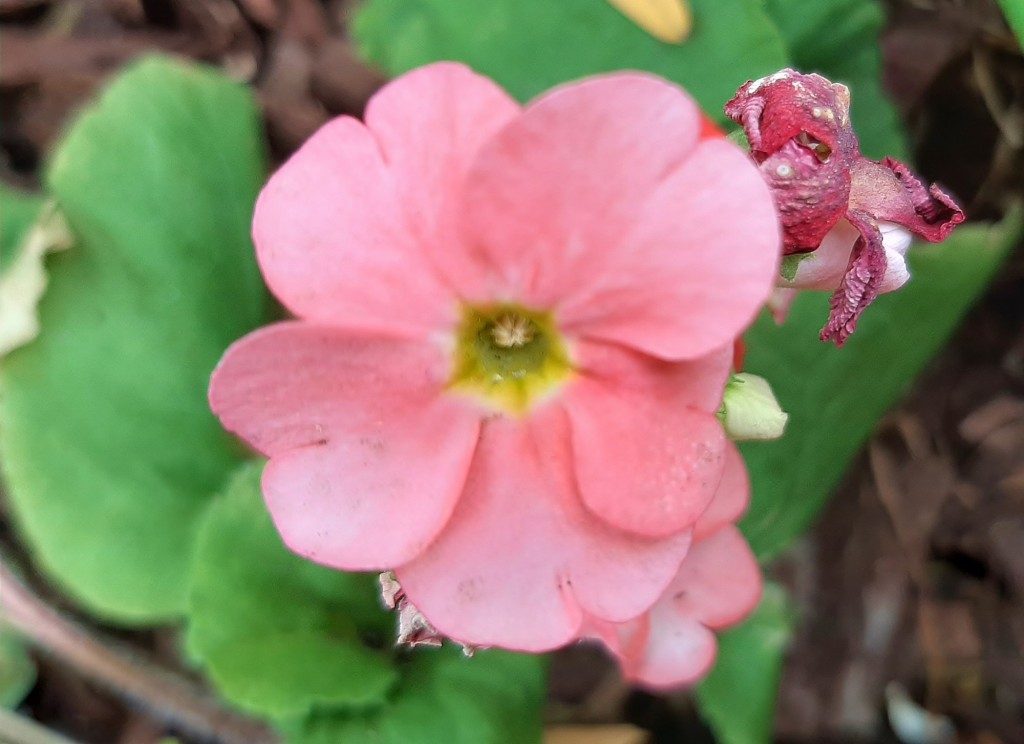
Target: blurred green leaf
492,698
839,39
1014,11
279,634
17,670
833,396
18,211
528,46
110,450
738,698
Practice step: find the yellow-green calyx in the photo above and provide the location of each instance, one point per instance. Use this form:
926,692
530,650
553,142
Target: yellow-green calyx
750,410
508,356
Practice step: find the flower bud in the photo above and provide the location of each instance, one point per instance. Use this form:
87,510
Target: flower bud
750,410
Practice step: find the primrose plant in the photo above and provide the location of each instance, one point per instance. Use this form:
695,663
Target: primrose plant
514,330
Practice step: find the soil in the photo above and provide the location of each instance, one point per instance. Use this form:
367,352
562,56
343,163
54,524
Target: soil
911,584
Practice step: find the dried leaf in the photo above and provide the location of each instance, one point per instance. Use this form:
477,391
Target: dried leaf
666,20
23,283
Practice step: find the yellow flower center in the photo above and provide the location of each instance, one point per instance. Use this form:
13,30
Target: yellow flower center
508,357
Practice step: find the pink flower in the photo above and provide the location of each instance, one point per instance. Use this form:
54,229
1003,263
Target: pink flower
515,327
800,135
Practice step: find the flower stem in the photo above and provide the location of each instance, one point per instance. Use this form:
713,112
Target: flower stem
16,729
163,693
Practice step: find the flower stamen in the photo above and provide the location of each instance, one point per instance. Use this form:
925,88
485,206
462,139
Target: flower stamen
512,330
508,356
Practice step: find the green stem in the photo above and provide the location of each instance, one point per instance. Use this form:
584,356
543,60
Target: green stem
15,729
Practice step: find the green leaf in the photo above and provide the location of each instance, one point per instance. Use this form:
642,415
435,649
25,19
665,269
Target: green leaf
282,636
833,396
1014,12
279,635
17,670
110,450
18,211
528,46
839,39
287,674
791,264
738,698
494,697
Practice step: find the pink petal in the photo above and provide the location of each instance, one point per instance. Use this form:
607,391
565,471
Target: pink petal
355,208
429,130
696,268
718,584
368,458
780,302
731,499
553,192
522,563
658,650
698,383
679,650
656,423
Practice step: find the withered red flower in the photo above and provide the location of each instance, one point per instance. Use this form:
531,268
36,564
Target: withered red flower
800,135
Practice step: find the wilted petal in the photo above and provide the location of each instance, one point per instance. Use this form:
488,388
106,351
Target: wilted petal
800,134
824,268
889,191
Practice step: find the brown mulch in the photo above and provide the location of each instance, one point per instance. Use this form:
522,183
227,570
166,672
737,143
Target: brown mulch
914,575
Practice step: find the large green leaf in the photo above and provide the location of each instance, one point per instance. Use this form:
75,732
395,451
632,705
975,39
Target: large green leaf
839,39
279,635
531,45
110,451
738,698
835,396
492,698
284,637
